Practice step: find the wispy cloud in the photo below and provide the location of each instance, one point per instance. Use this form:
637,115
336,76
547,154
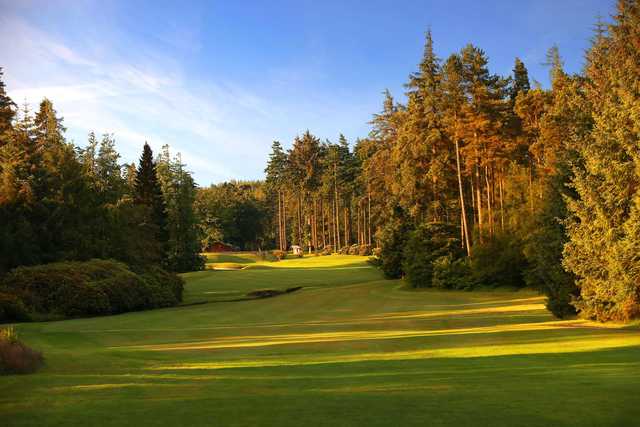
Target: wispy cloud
136,101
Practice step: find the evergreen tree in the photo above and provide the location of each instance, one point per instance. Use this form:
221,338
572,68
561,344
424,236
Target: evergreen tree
520,82
421,152
7,112
276,185
179,193
148,193
109,171
604,234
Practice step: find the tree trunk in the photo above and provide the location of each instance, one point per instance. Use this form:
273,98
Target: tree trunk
462,207
531,187
284,222
489,213
369,217
337,222
300,233
346,227
279,222
479,199
324,234
501,201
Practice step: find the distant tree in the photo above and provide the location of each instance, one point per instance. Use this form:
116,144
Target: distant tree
233,213
520,82
305,171
148,193
109,171
7,112
276,181
179,193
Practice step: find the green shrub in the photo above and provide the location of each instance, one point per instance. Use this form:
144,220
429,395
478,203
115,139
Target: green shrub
126,291
52,288
12,309
84,299
499,262
16,357
450,272
91,288
394,237
166,288
426,245
327,250
364,250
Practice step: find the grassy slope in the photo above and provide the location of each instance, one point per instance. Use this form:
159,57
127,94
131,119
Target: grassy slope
348,349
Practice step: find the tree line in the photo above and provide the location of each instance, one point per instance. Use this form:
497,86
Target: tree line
480,179
475,179
61,202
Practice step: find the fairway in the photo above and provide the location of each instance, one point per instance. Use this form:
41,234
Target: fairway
349,348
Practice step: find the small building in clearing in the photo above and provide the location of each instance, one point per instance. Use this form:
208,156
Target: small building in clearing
297,250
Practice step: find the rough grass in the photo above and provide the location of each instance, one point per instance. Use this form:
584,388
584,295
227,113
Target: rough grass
347,349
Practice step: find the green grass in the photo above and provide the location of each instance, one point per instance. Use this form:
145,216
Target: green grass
347,349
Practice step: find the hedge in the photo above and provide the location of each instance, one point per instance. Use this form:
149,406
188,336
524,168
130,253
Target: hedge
90,288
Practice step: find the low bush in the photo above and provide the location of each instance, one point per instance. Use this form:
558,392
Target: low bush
364,250
425,247
353,249
499,262
165,288
450,272
327,250
15,356
394,237
91,288
12,309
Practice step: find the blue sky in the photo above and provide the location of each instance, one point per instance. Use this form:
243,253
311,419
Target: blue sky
220,80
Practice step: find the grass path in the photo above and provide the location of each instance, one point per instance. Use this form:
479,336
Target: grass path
347,349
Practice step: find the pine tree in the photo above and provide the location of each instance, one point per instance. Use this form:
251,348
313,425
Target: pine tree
421,153
276,183
109,171
454,101
520,80
7,112
149,193
179,193
305,163
604,234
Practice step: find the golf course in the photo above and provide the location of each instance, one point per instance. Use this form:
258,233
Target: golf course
347,348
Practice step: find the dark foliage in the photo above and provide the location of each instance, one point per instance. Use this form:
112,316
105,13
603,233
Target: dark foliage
394,238
12,309
499,262
91,288
427,245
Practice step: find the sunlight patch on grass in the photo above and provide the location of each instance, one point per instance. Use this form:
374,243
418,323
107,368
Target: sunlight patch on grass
320,337
93,387
463,312
579,345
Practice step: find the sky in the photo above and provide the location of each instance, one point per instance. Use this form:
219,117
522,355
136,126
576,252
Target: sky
220,80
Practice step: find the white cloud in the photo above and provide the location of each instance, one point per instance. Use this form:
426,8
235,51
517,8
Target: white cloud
136,102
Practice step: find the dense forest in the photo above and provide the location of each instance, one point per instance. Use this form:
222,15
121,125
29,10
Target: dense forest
473,180
485,180
82,234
